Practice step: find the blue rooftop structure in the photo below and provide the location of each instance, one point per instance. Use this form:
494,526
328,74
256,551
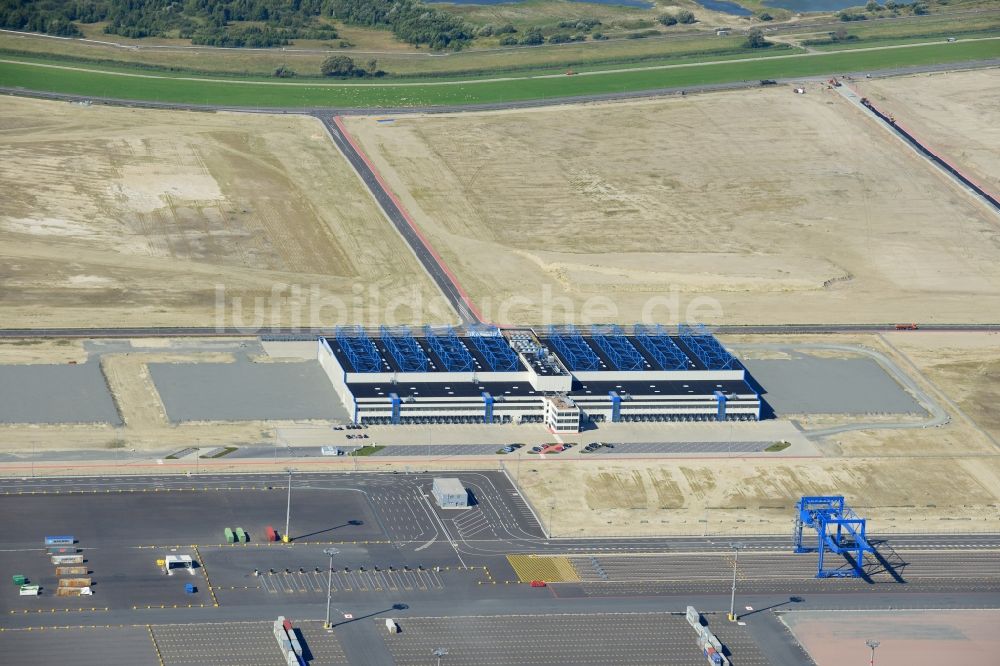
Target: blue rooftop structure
406,351
612,341
453,354
574,350
663,350
494,348
706,348
359,349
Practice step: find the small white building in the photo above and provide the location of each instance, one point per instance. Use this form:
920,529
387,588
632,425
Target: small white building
562,415
450,493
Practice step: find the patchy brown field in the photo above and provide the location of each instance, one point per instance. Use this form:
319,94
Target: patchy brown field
943,479
124,217
913,638
957,113
752,496
776,207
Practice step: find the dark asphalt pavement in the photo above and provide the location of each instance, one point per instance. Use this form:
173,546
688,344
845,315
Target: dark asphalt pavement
431,262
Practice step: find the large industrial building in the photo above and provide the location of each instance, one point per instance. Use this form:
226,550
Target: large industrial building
563,377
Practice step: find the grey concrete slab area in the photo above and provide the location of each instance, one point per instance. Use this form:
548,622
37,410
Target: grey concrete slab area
812,385
545,640
98,646
246,391
56,394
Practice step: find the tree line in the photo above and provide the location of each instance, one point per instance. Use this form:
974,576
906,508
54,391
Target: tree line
253,23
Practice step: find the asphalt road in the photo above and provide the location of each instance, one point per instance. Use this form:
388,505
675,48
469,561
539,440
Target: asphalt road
396,214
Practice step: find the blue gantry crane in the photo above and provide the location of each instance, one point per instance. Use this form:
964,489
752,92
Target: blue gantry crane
838,529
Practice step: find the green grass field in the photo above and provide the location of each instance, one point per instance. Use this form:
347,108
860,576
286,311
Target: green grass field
92,82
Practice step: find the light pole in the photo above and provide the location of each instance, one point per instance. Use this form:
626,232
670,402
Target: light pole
872,644
329,584
732,599
288,509
440,652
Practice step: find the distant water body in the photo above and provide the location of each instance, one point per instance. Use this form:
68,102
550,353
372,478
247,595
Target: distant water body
638,4
725,7
813,5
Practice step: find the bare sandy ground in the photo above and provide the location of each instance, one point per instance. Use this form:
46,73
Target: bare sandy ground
941,479
744,496
125,217
40,350
772,206
910,638
957,113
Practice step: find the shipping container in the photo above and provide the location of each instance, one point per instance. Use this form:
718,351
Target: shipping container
74,582
391,626
29,590
229,535
71,571
59,541
270,534
19,579
241,536
62,550
72,591
693,616
67,559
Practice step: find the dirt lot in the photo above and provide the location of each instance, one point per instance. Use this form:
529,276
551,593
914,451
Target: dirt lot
757,497
777,207
957,113
944,479
913,638
124,217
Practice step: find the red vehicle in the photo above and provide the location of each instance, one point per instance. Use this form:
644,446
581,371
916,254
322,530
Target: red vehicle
906,327
538,583
553,448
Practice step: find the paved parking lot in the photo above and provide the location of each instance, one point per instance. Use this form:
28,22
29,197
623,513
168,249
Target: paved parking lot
246,391
681,447
526,640
56,394
188,516
122,578
439,449
237,643
79,647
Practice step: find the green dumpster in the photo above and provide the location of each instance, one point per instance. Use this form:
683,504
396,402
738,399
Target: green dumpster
19,579
229,535
241,536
